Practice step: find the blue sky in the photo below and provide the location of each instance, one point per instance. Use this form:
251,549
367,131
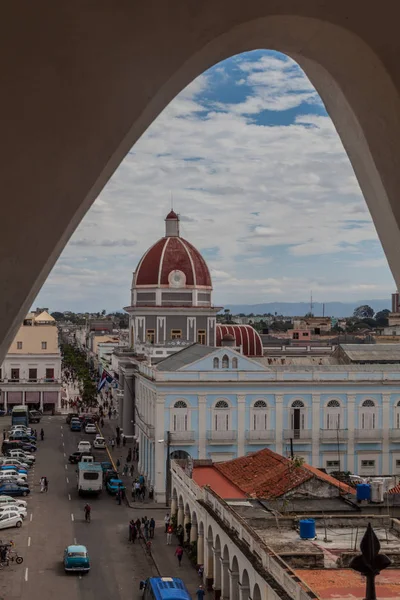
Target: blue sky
263,186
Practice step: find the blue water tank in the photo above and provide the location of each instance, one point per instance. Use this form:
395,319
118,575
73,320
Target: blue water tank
307,529
363,491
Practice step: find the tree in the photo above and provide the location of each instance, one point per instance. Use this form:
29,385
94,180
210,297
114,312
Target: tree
363,312
58,316
382,318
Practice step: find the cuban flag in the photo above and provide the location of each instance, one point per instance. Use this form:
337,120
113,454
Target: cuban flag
105,378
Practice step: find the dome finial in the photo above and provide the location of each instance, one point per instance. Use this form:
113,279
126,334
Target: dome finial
172,224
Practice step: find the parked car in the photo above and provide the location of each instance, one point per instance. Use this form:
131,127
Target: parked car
9,501
21,510
13,489
12,468
99,443
113,485
106,466
23,456
84,446
10,518
35,416
90,428
76,558
23,437
4,461
2,413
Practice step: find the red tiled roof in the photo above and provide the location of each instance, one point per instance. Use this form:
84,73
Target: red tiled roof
266,474
217,482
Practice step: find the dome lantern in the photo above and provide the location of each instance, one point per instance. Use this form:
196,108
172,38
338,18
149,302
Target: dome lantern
172,224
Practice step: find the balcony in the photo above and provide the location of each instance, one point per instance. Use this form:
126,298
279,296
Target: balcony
298,435
182,437
333,435
30,381
394,435
260,437
368,435
221,437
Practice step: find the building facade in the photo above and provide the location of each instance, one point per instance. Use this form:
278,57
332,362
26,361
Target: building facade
215,403
31,371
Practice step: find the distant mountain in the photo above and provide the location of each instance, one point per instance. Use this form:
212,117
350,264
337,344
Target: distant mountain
298,309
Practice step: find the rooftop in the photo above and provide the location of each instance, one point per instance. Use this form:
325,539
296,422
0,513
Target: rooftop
372,352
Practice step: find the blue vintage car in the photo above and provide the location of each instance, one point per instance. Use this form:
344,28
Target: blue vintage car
13,467
76,558
13,489
113,485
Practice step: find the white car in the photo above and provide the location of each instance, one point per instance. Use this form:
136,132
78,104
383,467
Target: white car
10,518
99,443
13,475
14,462
21,510
90,428
84,446
26,430
21,455
12,502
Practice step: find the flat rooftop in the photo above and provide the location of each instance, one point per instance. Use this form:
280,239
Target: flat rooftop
345,584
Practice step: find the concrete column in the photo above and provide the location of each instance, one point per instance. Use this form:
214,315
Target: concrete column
385,426
202,428
209,566
200,550
121,411
241,424
174,506
41,400
193,533
5,396
217,573
160,451
244,592
315,428
129,406
151,474
279,423
140,452
59,401
233,585
23,397
186,520
225,588
351,459
181,516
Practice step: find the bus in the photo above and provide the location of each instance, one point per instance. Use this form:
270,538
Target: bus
20,415
165,588
90,477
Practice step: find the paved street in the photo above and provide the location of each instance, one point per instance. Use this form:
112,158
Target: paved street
56,519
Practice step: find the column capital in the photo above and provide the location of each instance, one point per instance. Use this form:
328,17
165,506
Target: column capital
202,398
316,398
241,398
161,398
351,398
279,398
386,398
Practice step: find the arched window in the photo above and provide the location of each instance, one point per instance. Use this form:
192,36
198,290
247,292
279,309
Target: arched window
225,362
259,416
297,417
222,416
216,363
333,414
179,416
234,363
368,414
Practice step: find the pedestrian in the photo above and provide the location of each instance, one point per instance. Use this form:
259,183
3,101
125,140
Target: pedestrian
42,484
129,456
179,554
125,470
137,489
102,422
4,433
200,593
42,434
119,497
132,470
169,535
131,523
179,534
146,528
46,484
112,443
109,413
117,430
152,526
188,527
118,464
151,493
123,440
141,479
134,533
166,522
118,441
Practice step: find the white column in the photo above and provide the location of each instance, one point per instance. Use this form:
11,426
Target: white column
385,425
225,587
241,424
200,550
351,461
217,569
202,429
244,592
140,452
23,397
315,424
160,462
233,585
41,400
5,393
279,423
59,401
181,516
174,507
193,533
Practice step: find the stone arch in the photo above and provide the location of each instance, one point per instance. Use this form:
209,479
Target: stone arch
245,585
225,565
234,592
179,455
256,592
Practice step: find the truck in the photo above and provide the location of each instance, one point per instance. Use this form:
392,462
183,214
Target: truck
89,478
20,415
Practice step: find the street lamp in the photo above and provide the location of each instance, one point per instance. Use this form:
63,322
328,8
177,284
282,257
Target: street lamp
167,467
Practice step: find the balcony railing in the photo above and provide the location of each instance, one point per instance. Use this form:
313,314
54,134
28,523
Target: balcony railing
394,434
366,435
182,437
221,437
333,435
264,435
298,434
31,380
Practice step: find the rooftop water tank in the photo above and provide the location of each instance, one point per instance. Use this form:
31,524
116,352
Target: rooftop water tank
377,491
363,492
307,529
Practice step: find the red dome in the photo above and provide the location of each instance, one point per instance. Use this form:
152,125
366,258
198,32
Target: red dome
245,336
172,215
171,254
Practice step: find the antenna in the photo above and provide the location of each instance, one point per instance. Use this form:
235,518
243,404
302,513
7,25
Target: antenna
311,304
172,200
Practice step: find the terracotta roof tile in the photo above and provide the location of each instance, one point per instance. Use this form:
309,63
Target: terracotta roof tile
265,474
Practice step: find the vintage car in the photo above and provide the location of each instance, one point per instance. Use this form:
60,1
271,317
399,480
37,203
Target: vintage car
76,558
113,485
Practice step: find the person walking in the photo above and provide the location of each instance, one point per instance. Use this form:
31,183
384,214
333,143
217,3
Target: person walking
200,593
125,470
46,484
117,430
118,464
42,484
42,434
152,526
132,470
102,422
146,528
131,524
118,441
124,440
179,534
134,533
179,554
169,535
166,522
112,443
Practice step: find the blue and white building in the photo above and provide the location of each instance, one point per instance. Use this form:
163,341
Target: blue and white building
215,403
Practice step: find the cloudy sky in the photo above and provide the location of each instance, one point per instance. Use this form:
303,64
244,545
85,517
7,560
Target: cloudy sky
264,189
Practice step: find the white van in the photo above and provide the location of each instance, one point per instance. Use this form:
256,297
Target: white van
84,446
90,478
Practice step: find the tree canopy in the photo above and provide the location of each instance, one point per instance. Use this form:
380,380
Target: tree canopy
363,312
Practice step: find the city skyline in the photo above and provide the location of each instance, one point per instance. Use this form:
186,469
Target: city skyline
248,143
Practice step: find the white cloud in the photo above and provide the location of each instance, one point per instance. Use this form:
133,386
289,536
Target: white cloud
272,199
